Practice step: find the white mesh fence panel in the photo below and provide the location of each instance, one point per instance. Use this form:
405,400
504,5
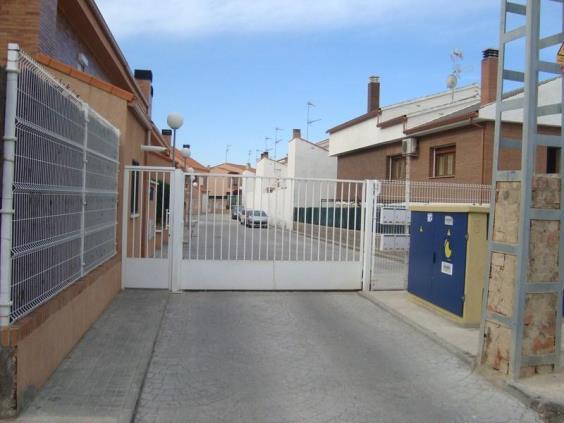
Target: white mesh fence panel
65,189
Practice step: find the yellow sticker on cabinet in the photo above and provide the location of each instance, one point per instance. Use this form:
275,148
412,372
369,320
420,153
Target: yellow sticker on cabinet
448,250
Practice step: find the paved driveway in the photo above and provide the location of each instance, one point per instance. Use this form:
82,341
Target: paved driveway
267,358
306,357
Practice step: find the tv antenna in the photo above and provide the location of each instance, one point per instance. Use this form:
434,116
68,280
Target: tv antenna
266,139
227,149
308,120
249,158
456,57
276,139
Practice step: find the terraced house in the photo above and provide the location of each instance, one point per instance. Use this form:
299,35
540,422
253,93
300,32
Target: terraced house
446,137
73,61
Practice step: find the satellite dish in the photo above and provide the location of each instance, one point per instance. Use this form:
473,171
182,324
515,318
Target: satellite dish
452,81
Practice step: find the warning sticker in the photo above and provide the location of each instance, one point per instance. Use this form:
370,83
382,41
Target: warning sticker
446,268
449,220
429,217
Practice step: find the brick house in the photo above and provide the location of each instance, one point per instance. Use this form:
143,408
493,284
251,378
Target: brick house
71,40
451,134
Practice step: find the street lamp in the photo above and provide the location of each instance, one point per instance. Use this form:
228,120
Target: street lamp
186,152
174,121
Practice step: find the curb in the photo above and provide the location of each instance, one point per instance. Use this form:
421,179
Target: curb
462,355
549,411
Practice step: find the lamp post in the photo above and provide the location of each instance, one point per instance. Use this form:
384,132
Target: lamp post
174,121
186,152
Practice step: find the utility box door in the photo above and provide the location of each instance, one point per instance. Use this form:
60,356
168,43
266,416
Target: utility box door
421,255
449,269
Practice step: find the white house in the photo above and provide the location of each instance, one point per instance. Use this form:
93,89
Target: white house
281,185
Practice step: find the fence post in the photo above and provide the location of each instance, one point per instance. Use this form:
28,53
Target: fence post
83,213
177,192
367,239
7,210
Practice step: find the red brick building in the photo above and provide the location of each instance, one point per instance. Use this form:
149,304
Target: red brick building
452,134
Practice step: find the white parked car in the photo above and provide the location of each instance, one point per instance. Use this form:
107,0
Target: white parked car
255,218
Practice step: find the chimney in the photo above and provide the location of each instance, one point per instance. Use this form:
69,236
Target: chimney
373,93
488,89
167,136
296,133
264,155
144,78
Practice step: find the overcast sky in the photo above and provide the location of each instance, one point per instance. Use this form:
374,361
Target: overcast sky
236,69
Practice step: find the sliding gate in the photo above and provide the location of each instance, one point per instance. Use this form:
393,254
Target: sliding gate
191,231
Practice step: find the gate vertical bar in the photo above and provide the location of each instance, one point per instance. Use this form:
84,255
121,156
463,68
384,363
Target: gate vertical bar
7,210
176,230
124,224
367,243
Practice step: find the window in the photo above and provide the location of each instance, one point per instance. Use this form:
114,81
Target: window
553,160
134,187
396,168
443,161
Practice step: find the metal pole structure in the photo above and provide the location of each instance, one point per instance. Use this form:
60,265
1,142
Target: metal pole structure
7,210
174,148
408,213
507,343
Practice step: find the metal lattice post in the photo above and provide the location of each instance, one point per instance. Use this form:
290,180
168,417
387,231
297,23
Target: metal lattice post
504,343
7,210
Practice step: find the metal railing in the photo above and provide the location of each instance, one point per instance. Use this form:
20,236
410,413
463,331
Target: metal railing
266,218
64,188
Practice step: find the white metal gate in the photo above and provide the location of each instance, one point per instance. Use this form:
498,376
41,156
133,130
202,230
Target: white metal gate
190,231
147,235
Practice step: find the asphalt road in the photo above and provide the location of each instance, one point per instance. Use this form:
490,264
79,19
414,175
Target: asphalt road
307,357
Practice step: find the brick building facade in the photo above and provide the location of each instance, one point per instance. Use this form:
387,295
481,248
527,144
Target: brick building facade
452,147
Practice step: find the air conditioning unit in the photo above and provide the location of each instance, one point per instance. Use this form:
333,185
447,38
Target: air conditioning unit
409,146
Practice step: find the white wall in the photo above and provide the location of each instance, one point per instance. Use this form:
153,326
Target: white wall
418,112
549,93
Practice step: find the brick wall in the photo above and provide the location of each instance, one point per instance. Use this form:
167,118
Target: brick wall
15,15
367,164
473,162
60,40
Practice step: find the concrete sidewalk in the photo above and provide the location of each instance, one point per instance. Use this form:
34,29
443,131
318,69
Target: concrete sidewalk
545,393
101,379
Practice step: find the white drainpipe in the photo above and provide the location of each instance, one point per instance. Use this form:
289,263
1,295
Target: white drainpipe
7,210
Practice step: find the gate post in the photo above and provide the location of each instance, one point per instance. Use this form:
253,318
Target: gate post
176,232
370,188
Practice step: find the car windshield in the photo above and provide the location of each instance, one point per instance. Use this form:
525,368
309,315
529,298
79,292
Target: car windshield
259,213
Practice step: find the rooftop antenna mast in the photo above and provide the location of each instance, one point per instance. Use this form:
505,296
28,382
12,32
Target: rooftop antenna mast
266,139
276,139
227,149
249,158
308,120
452,80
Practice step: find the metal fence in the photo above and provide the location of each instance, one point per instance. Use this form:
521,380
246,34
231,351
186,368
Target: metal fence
392,218
64,189
273,219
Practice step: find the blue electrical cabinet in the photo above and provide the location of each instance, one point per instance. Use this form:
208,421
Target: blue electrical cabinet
437,258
